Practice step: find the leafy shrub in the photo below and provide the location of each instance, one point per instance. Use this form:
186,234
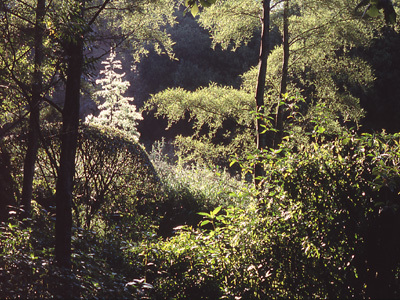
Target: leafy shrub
325,225
114,178
28,269
115,185
202,264
190,189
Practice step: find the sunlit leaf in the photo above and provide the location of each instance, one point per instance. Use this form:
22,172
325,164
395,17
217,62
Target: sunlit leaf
194,9
203,214
217,210
205,222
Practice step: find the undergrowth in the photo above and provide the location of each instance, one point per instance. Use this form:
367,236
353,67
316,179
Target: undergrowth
101,266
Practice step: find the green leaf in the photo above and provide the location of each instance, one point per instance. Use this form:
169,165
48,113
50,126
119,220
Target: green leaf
321,129
220,218
11,226
194,9
204,214
205,222
216,211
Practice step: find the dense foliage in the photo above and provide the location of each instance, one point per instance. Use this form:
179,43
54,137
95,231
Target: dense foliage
323,227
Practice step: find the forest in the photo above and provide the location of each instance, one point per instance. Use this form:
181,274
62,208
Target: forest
199,149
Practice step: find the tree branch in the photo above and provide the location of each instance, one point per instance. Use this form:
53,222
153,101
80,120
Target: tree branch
98,12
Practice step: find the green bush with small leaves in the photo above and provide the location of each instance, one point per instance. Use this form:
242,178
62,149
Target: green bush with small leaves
323,225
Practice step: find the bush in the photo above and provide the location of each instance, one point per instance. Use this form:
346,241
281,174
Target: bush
115,182
115,179
28,269
188,189
325,225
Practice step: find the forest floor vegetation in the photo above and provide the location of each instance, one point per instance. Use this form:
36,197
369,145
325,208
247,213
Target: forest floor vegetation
323,225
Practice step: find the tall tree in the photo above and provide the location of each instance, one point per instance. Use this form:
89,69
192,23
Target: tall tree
34,103
263,139
150,17
69,131
69,137
62,26
22,62
261,134
283,86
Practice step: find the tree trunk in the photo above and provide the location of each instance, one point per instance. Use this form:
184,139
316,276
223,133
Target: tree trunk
283,88
33,134
69,137
262,137
7,198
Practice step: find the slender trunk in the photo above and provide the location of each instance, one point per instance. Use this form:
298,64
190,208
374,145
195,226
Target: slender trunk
7,198
283,88
33,134
262,138
69,137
